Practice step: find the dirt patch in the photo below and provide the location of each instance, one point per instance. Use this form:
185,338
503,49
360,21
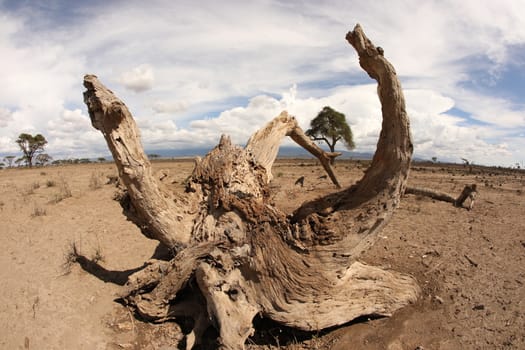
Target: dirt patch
468,263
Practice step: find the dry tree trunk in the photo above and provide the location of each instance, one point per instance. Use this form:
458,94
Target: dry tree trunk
468,192
239,255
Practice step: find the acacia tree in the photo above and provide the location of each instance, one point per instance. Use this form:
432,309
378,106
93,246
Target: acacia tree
31,146
236,255
43,159
9,160
331,127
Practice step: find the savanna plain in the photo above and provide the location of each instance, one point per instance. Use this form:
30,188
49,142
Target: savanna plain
67,249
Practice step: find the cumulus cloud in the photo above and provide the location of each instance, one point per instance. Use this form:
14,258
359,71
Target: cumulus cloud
71,135
223,69
435,132
138,79
169,107
8,146
6,116
492,110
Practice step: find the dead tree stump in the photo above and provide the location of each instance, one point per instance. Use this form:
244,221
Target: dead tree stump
240,255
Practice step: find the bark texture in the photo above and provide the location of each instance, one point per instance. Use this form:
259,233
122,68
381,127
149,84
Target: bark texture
236,254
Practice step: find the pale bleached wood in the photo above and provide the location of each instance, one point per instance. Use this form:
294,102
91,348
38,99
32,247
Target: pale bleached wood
264,144
245,255
160,216
468,192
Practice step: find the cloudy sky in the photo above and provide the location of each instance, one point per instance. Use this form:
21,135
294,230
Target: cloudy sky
192,70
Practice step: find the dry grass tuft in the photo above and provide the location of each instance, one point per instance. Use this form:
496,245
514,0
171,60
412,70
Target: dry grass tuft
30,189
71,256
64,191
96,180
98,256
38,211
51,183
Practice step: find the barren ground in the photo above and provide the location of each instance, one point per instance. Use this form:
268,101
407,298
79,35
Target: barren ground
470,264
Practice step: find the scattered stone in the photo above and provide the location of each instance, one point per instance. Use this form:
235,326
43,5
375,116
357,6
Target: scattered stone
438,299
472,262
479,307
300,181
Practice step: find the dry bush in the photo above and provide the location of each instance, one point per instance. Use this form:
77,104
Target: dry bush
73,255
97,256
95,181
38,211
51,183
70,257
64,191
30,189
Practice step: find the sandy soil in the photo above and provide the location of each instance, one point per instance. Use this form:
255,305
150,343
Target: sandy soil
469,263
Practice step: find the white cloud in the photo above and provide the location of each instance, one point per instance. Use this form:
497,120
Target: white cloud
493,110
169,107
71,135
8,146
6,116
436,133
138,79
206,59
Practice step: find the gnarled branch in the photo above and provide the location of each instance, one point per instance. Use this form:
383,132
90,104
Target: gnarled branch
240,255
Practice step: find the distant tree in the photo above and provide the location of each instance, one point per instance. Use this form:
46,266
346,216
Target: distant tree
468,163
435,159
9,160
2,165
101,159
43,159
31,146
331,127
153,156
18,161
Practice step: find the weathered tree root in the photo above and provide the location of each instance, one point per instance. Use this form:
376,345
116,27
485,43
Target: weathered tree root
236,254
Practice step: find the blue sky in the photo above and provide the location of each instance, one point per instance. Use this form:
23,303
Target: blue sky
191,71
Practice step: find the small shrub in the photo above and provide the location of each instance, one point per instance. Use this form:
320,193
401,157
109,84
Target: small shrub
51,183
279,174
29,190
64,191
70,257
43,173
38,211
98,256
95,181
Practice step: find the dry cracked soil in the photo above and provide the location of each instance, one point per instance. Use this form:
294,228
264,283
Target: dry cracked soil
469,264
